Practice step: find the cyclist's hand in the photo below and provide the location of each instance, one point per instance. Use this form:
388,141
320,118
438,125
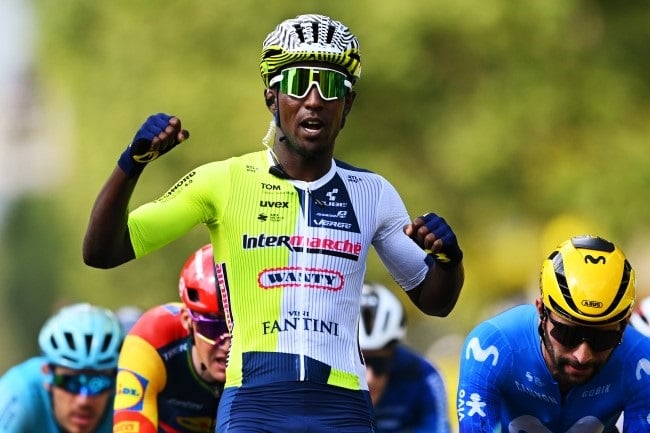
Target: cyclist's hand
159,134
432,233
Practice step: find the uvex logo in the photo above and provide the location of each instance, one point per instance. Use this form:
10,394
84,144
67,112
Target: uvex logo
267,203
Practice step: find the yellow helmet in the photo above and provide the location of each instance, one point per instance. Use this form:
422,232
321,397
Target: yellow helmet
588,281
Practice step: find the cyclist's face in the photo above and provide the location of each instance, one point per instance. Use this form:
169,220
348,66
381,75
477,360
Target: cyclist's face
213,357
311,123
571,365
378,364
209,356
78,413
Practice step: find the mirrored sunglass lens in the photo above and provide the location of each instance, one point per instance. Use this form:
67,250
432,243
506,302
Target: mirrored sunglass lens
332,84
211,329
88,384
296,82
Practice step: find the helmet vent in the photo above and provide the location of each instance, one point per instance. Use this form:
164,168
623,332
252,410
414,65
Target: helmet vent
108,338
89,342
314,29
368,315
299,32
69,339
330,34
593,243
193,294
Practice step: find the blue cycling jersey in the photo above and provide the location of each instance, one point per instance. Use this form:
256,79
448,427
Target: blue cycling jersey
415,399
25,404
505,385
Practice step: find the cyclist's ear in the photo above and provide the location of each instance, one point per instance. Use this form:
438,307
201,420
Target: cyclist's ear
269,98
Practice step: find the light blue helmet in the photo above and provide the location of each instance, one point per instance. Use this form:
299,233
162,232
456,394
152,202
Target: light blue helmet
82,336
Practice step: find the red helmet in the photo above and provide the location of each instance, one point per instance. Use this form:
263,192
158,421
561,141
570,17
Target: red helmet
198,286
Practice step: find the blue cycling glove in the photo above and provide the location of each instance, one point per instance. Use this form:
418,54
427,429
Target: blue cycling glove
450,254
141,150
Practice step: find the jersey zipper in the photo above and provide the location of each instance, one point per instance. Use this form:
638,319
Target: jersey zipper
304,265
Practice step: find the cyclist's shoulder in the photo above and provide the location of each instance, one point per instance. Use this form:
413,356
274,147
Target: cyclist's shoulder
26,372
161,324
342,165
407,355
25,384
409,363
632,356
510,322
247,161
507,338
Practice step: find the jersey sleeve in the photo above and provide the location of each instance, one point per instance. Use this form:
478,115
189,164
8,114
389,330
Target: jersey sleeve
483,361
636,417
140,378
21,403
189,202
403,258
433,404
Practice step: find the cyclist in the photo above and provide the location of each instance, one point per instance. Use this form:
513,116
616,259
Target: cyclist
70,387
640,318
128,315
291,229
408,393
172,366
567,364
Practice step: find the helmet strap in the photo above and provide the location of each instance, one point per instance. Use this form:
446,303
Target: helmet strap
276,116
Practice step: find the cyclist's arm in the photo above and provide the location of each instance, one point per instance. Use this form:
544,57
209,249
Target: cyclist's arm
433,406
107,243
141,377
438,293
635,413
432,289
19,405
478,397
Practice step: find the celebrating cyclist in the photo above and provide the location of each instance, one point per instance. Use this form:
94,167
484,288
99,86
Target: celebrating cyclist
408,393
291,229
172,366
568,363
70,387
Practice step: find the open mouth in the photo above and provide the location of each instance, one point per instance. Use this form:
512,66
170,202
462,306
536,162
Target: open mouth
312,125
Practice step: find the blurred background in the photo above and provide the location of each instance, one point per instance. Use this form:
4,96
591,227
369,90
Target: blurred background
522,123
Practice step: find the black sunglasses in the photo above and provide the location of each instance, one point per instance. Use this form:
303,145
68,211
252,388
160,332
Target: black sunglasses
571,336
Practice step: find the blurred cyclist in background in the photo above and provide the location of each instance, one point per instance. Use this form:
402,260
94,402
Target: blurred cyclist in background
70,387
407,391
128,315
640,318
567,363
172,366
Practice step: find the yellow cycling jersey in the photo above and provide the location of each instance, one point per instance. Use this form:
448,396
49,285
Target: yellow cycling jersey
290,259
